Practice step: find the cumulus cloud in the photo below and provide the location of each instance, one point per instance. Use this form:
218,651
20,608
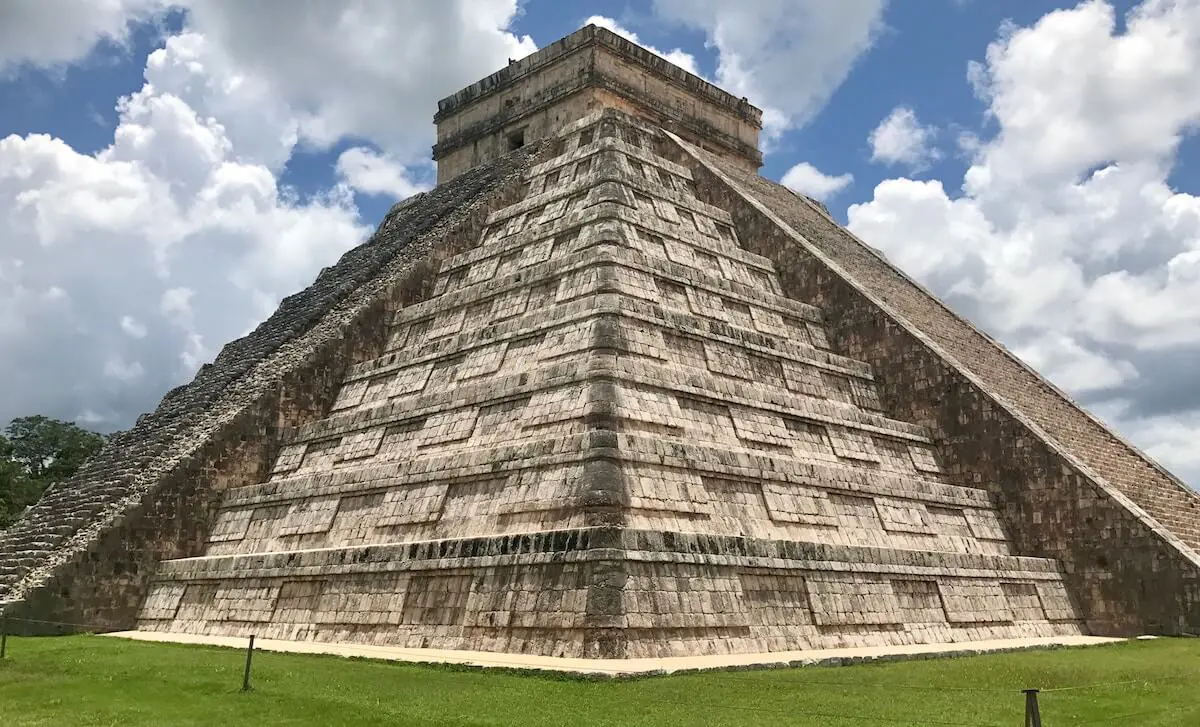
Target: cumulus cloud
132,327
786,56
253,120
373,69
1170,439
808,180
1058,356
1067,239
53,32
901,139
127,269
370,172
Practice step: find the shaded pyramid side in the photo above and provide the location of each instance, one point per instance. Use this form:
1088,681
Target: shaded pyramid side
608,434
1066,487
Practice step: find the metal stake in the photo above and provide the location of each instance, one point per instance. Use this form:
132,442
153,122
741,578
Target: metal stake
1033,718
3,636
250,653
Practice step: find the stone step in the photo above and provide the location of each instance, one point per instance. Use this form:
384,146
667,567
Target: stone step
598,543
542,585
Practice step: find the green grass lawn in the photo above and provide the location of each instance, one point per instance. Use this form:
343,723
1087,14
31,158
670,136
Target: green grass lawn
93,680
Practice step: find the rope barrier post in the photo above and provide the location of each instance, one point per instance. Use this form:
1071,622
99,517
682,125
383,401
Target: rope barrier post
3,636
246,676
1033,718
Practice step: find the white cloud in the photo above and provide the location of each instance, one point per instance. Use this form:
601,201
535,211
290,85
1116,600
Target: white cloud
53,32
901,139
123,371
260,126
175,304
679,57
124,270
1067,240
373,69
1061,358
786,56
132,327
1170,439
369,172
167,232
808,180
1070,94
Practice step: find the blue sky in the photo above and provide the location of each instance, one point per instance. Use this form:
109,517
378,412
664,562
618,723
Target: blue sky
170,170
920,61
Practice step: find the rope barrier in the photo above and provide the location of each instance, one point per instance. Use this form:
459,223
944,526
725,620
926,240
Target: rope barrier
1114,684
980,690
884,685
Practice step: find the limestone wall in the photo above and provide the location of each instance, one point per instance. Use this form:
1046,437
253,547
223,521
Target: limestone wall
607,433
671,595
1065,487
534,108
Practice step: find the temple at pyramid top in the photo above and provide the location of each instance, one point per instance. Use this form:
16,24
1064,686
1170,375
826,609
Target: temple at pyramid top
593,68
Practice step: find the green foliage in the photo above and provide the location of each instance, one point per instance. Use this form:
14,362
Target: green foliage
49,449
36,452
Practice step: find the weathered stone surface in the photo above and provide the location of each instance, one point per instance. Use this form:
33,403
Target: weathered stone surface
617,397
607,433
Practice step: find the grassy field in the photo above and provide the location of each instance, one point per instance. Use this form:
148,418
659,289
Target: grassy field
93,680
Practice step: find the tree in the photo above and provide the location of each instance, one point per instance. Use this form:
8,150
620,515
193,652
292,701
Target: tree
36,451
11,481
15,486
49,449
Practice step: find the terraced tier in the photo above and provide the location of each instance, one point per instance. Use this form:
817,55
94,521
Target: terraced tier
607,433
613,593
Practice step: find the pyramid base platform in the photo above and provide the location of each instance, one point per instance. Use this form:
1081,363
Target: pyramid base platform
631,667
605,593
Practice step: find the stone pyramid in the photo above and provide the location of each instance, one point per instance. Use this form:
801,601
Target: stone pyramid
605,392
